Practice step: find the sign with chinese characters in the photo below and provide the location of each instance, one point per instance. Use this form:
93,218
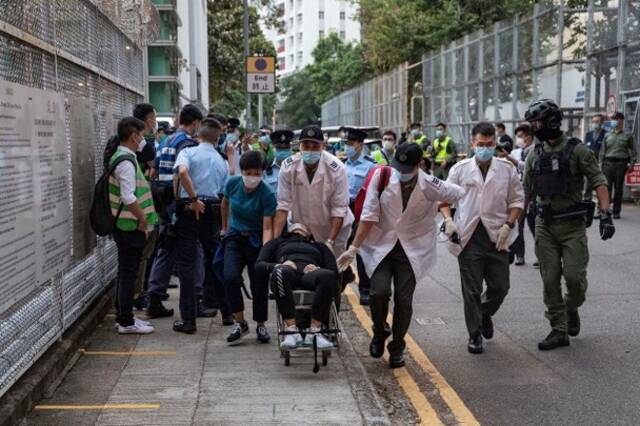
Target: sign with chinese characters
633,176
261,74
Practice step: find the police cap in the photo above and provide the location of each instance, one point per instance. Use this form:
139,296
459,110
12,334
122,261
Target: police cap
233,123
406,157
312,134
282,137
352,134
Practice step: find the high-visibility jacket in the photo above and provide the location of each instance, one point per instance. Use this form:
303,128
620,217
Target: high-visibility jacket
380,157
440,149
126,220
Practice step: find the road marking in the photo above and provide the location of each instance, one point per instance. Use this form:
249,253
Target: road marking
128,353
427,414
97,407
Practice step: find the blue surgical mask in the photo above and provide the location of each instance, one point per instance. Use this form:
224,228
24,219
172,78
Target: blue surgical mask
485,153
439,133
404,177
595,126
266,139
416,133
282,154
231,138
350,151
310,157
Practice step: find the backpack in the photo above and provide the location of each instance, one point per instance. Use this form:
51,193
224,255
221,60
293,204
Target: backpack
385,175
110,148
102,220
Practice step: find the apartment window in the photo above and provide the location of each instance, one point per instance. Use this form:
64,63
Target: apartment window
299,19
299,37
290,42
281,45
342,35
281,63
291,59
299,56
342,16
321,34
290,23
321,14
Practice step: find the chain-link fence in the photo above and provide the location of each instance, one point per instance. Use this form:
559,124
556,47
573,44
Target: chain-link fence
71,47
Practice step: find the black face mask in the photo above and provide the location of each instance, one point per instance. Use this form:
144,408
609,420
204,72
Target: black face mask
546,134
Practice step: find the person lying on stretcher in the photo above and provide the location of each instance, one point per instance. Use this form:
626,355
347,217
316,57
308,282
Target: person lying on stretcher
296,262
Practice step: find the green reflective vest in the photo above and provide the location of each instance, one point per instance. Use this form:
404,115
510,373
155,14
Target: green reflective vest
440,149
380,157
127,221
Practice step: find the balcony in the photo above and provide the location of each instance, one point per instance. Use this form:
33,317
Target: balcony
168,7
164,61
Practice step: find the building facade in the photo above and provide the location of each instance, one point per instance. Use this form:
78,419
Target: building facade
305,23
177,61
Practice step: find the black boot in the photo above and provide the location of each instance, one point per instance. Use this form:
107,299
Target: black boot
475,345
157,310
574,323
376,347
396,360
188,327
555,339
487,326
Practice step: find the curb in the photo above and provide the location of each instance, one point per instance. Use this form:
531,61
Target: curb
49,370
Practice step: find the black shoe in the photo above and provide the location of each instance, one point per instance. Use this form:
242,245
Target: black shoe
536,264
376,347
188,327
519,260
616,215
364,299
487,326
141,302
263,334
239,330
555,339
574,323
205,311
475,345
228,320
157,310
396,360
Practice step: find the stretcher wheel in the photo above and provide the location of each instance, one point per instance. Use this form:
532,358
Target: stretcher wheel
325,357
287,358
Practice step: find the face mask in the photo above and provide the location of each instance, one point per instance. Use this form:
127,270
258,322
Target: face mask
388,146
613,123
546,134
405,177
231,138
595,126
350,151
266,139
282,154
155,128
485,153
519,142
416,133
439,133
310,157
251,182
141,144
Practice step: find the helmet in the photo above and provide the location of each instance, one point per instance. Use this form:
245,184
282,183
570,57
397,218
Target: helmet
546,111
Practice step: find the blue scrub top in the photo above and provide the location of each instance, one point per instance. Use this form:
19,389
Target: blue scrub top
248,208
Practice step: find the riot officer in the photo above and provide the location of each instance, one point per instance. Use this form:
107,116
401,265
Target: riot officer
554,175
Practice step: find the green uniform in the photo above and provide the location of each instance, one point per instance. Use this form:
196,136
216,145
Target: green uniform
561,246
618,151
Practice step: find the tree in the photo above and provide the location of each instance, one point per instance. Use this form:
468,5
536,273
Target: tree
226,55
299,108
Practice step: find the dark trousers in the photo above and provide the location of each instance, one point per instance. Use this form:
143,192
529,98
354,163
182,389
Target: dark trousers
397,268
517,248
189,232
238,253
480,262
532,213
615,171
130,245
323,281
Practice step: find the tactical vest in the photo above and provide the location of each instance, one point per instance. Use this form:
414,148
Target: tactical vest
441,149
552,172
127,220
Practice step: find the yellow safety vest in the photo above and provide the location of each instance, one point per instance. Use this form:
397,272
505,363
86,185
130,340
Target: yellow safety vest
440,149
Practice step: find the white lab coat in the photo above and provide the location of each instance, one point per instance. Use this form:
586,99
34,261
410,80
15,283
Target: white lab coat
315,203
485,200
415,227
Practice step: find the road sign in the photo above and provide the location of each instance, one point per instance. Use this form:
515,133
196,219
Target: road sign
611,105
633,177
261,74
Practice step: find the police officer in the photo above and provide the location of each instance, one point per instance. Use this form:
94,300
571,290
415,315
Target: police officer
416,136
264,144
201,174
617,155
554,175
594,138
282,144
358,167
444,152
383,156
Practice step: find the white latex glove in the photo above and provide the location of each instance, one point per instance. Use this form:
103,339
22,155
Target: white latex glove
503,238
329,243
450,227
347,258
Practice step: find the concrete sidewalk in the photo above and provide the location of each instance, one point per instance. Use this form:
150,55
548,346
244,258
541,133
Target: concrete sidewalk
170,378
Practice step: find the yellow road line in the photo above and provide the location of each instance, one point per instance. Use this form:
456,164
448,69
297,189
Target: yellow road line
427,414
128,353
97,407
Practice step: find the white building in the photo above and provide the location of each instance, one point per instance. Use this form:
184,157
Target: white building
306,22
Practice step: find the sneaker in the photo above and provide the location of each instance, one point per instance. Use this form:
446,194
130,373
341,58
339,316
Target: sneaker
262,334
157,310
136,328
141,302
519,260
555,339
322,343
239,330
293,340
574,323
137,321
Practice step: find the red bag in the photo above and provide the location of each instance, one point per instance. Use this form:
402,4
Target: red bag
385,174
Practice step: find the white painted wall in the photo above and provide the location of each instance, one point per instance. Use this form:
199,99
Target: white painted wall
193,43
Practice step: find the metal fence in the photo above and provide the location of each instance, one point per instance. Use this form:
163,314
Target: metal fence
71,47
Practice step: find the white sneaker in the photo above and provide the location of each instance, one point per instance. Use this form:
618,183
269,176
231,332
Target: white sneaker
291,341
137,321
321,341
136,328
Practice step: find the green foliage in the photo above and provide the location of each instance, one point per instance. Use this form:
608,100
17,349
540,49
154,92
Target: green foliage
226,55
299,108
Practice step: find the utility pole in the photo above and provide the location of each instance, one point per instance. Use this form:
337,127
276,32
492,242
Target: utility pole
260,112
246,54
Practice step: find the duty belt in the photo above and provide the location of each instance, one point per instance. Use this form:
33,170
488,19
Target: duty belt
616,160
582,210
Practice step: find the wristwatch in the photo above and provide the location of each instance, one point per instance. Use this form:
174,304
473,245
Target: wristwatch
510,224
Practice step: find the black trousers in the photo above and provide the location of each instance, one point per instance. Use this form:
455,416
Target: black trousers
323,281
517,248
614,172
130,245
364,282
238,253
189,232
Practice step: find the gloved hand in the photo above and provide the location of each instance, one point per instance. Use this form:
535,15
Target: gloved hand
450,227
607,229
290,264
347,258
503,238
329,243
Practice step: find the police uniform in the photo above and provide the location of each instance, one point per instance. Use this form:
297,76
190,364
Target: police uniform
554,174
357,169
281,141
314,202
617,153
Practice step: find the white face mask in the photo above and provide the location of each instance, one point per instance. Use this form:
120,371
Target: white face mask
388,146
141,144
519,142
251,182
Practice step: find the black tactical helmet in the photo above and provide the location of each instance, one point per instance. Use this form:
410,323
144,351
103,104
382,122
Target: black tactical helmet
545,111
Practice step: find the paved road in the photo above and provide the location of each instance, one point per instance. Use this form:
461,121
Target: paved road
594,381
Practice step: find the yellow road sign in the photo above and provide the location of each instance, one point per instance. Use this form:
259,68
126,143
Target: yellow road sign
261,64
